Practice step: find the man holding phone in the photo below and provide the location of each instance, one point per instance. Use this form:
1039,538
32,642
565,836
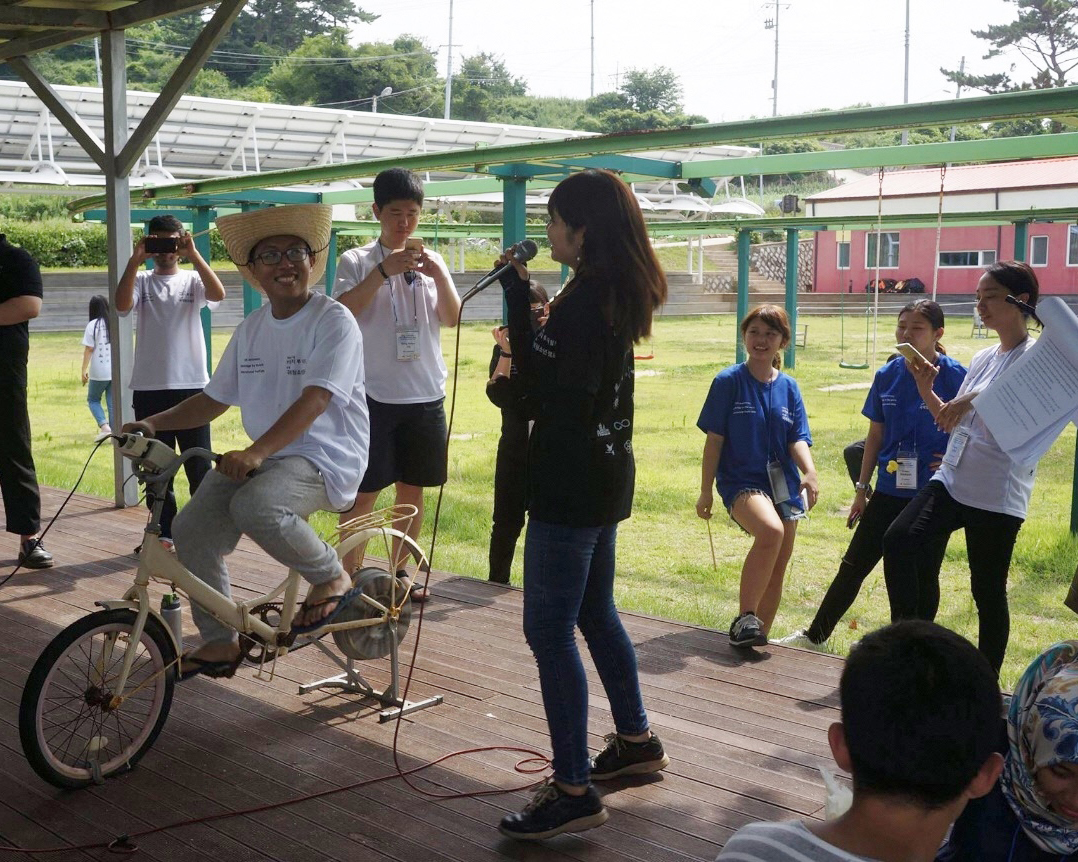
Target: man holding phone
170,350
401,294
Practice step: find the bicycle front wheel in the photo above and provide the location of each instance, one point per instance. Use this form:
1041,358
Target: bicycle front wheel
75,728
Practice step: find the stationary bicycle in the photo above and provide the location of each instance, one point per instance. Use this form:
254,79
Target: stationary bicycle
99,694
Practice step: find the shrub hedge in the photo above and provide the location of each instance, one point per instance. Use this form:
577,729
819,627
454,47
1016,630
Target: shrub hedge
58,242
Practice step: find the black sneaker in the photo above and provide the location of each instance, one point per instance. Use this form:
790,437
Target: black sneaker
621,757
552,812
747,631
32,555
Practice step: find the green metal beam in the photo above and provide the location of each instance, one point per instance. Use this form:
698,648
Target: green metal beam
1059,101
988,150
200,224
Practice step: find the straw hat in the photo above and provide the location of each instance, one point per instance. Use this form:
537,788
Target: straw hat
312,223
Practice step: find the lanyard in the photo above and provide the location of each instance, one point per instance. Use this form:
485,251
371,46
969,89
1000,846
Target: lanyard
392,301
768,407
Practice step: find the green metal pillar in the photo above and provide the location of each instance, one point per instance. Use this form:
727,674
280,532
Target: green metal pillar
1021,239
514,218
790,357
331,262
252,299
743,247
200,227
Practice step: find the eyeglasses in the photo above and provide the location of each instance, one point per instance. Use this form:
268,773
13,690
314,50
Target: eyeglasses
273,257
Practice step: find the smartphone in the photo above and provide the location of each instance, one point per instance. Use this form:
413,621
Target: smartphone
414,243
851,521
911,353
160,244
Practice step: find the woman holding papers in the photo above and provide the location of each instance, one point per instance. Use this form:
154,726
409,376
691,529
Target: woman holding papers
978,487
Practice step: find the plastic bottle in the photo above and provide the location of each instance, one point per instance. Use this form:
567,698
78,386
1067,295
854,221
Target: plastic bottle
172,614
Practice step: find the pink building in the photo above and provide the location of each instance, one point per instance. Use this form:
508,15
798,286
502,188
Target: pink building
845,257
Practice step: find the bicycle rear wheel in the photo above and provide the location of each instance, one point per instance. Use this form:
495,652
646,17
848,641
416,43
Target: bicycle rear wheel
74,728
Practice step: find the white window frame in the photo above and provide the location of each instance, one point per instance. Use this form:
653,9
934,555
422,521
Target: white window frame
1032,250
1072,245
896,244
984,258
838,255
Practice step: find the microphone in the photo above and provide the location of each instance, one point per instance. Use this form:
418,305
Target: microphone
1024,306
522,252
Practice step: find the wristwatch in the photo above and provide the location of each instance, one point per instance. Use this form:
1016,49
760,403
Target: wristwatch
863,486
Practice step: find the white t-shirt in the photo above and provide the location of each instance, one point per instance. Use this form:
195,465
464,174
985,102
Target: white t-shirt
170,350
397,307
96,335
269,362
782,842
986,477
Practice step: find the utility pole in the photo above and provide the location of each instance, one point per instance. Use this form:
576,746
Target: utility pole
906,77
592,48
449,64
773,24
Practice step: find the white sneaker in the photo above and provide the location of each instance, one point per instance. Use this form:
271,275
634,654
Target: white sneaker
105,431
800,639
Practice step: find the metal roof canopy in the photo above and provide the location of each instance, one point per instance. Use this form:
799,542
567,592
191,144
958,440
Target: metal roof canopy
30,26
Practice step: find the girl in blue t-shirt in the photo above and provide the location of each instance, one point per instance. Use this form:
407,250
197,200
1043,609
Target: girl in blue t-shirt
906,445
757,439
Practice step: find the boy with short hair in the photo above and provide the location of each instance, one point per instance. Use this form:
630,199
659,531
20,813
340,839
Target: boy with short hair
170,350
920,725
401,295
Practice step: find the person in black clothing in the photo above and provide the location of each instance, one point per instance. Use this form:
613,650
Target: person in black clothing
512,461
20,302
575,376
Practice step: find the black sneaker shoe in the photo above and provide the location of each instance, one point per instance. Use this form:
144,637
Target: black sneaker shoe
621,757
32,555
552,812
747,631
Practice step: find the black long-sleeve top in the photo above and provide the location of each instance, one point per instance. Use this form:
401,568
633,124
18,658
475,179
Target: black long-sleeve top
575,379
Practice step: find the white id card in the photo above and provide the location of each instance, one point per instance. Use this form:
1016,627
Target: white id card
906,477
407,343
955,447
780,491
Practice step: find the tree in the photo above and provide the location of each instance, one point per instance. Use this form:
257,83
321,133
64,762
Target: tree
1045,33
482,86
310,76
274,28
658,89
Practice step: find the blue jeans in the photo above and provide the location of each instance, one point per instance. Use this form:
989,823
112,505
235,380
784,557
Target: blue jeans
569,582
94,390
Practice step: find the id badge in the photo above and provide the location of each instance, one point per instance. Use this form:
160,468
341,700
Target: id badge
906,477
955,447
780,491
407,343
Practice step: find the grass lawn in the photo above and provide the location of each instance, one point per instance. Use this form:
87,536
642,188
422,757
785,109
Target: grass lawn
664,556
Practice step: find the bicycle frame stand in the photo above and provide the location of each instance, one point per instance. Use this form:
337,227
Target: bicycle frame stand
352,681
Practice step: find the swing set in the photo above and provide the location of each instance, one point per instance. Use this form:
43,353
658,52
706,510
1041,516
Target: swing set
872,319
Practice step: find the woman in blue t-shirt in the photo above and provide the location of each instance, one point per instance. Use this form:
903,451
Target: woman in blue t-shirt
757,439
906,444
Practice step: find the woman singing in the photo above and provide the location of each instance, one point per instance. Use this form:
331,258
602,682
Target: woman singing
576,377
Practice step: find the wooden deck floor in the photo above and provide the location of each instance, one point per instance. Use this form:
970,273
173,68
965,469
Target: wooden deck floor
745,736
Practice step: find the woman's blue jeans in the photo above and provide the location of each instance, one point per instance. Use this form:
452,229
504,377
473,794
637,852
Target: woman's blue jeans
569,582
94,390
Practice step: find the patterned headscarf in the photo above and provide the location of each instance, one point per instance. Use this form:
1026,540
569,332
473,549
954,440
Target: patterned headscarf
1042,726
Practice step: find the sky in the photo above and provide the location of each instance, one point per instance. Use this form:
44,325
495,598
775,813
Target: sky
832,53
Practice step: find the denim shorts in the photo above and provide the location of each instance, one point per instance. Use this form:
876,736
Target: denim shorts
789,510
